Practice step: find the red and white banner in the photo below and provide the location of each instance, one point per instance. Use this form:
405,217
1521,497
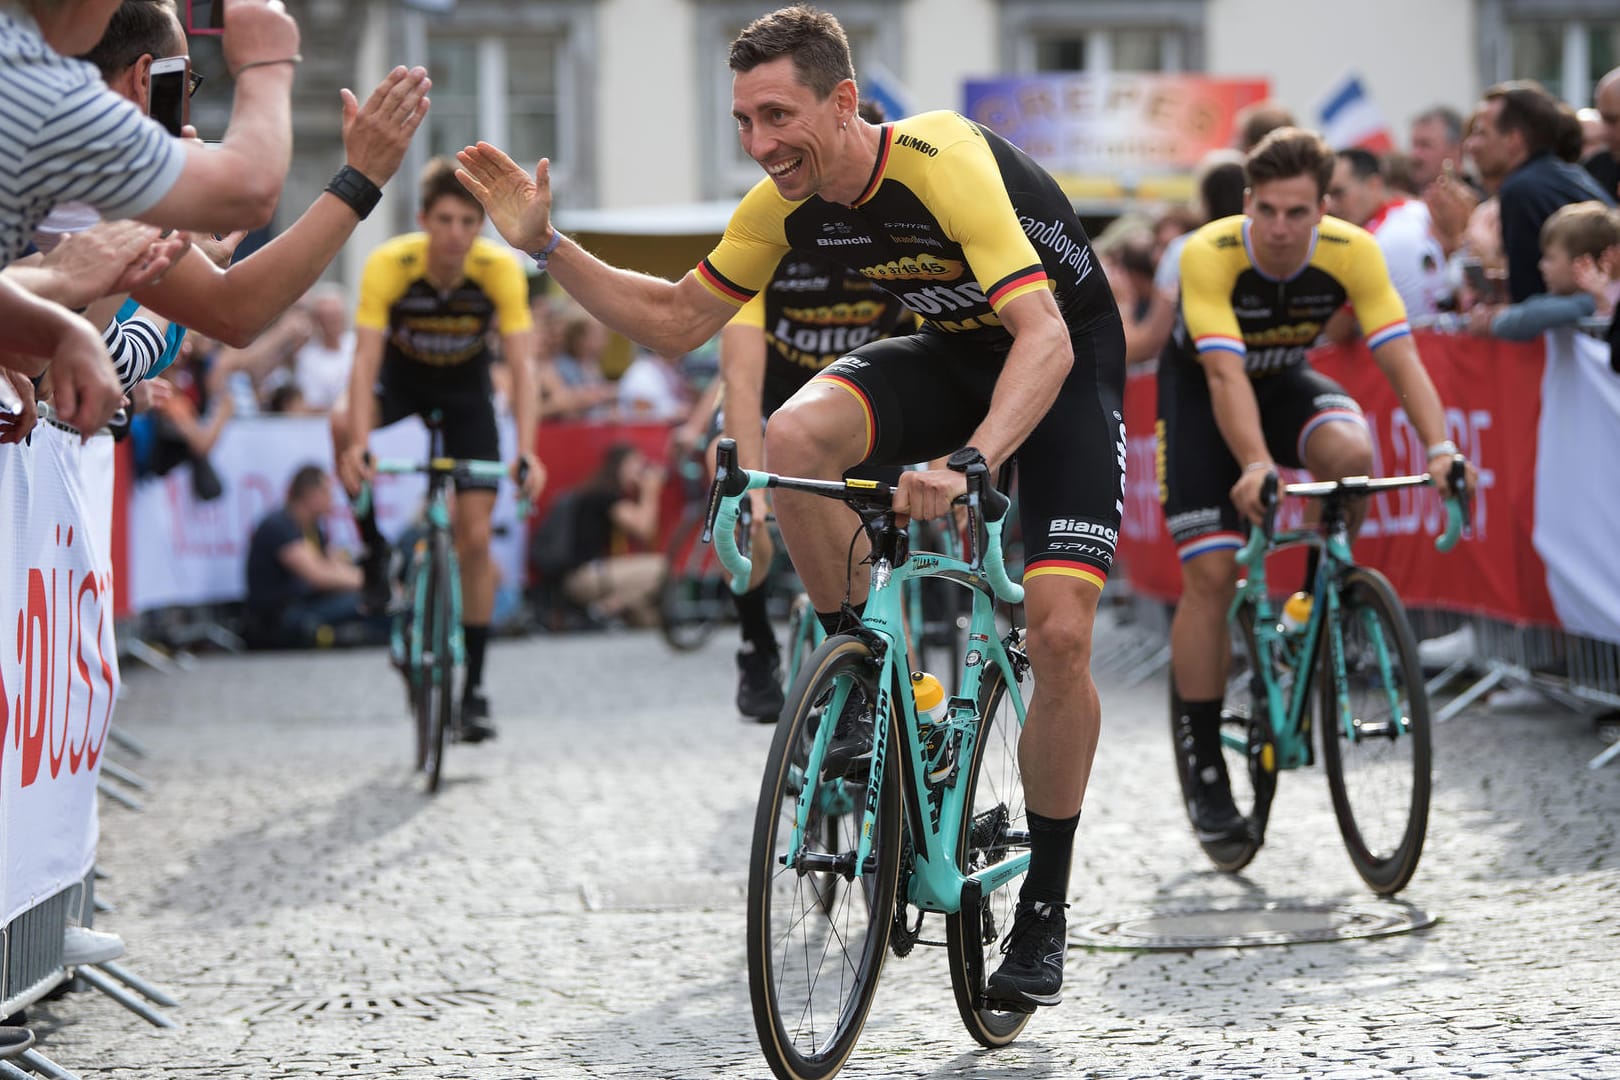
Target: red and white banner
183,552
1535,424
59,673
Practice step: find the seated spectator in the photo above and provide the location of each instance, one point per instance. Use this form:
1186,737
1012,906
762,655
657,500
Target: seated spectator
322,364
184,424
1573,241
298,593
1518,137
614,512
572,386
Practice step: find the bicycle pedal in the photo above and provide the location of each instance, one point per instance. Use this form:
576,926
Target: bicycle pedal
984,1001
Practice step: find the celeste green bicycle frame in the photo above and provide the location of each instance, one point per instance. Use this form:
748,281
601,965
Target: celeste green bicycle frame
937,760
1297,650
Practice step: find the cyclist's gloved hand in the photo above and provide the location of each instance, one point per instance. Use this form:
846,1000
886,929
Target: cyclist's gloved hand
354,468
1246,492
530,476
928,494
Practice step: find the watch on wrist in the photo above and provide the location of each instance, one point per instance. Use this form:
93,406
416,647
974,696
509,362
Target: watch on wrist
964,459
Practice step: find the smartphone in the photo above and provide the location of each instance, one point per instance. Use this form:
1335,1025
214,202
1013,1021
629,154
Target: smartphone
205,16
167,100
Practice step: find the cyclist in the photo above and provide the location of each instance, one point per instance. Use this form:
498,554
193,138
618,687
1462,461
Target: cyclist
813,311
1022,352
427,303
1237,397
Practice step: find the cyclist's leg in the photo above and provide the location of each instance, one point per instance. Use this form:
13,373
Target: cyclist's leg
1196,474
470,433
1071,487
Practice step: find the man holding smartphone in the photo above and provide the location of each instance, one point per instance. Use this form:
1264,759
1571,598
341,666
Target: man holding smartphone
63,132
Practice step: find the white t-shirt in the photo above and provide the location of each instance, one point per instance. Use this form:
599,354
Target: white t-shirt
1417,262
323,374
64,136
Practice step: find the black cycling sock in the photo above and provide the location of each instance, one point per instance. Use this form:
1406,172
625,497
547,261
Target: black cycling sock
755,621
476,638
1200,721
370,535
834,622
1051,847
1313,558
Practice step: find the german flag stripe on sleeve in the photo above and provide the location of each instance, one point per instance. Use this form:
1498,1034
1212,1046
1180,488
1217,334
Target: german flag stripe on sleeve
1018,283
721,286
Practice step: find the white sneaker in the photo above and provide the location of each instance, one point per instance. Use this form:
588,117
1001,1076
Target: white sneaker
81,945
1516,699
1447,649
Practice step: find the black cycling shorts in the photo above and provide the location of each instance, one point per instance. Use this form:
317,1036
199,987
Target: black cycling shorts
467,407
1196,471
925,394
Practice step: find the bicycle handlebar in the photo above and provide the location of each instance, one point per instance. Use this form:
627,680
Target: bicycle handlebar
732,482
1456,503
454,467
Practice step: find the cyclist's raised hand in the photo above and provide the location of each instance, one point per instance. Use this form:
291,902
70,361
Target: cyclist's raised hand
1246,492
354,468
529,474
518,205
928,494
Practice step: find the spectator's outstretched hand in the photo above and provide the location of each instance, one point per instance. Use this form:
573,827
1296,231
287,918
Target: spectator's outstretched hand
84,389
1450,203
256,32
376,134
114,257
519,205
219,249
1592,279
15,426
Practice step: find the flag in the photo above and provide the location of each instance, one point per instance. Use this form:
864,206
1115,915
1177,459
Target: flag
1349,117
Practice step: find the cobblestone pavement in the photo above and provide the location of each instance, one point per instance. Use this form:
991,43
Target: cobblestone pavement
570,905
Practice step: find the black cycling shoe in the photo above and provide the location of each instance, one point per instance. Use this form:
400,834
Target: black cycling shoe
1215,817
759,685
476,725
850,751
1034,946
376,592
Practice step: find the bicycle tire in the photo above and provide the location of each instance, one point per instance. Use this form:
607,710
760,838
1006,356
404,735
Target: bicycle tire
987,812
807,1025
691,599
1253,772
1379,780
439,666
416,644
801,639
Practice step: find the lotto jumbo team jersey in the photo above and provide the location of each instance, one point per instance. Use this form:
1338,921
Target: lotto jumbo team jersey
955,221
814,311
434,334
1229,304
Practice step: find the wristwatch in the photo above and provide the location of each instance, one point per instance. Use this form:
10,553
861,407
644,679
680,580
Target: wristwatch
964,459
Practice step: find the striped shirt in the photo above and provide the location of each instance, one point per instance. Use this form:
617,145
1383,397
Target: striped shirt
65,136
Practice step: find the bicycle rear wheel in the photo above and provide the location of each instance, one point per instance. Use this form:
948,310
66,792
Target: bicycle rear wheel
692,599
1247,745
438,661
817,934
1378,769
994,826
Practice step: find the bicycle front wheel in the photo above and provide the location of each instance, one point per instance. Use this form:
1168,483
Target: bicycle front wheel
438,662
1377,756
817,930
994,827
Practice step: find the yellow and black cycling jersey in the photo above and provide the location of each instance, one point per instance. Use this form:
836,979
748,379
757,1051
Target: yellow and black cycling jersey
955,221
814,311
434,333
1229,304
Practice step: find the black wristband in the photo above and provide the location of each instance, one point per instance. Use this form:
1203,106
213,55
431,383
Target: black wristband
352,186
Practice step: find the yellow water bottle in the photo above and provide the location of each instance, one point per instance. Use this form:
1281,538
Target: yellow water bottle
1296,612
929,695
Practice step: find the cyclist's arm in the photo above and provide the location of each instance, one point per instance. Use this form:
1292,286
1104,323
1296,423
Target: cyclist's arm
368,356
1410,379
321,572
1038,362
1237,412
742,374
519,352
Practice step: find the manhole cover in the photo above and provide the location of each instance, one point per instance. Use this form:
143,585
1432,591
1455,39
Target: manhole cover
427,1006
1277,922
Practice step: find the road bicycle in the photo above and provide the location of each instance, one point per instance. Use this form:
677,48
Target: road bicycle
425,641
1373,704
847,861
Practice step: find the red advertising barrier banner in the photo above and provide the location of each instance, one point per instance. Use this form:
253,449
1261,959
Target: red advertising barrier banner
1492,393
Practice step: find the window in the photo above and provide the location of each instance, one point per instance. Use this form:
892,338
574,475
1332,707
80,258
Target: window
1100,36
874,32
1566,45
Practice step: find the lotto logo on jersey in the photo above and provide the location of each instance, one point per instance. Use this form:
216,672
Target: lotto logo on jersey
921,267
860,312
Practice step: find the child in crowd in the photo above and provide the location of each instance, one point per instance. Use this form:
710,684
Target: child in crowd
1574,243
